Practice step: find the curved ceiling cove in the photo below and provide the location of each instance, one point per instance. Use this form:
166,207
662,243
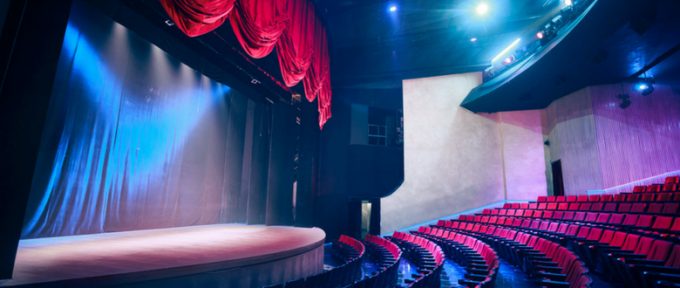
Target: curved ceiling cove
612,41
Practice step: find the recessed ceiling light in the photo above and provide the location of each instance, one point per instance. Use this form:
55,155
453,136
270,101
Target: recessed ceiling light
473,39
393,8
482,9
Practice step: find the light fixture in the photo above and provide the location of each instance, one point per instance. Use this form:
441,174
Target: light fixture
506,50
482,9
645,86
625,100
568,3
473,39
539,35
296,97
392,8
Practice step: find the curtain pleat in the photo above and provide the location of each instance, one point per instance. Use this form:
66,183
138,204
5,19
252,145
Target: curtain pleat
260,26
197,17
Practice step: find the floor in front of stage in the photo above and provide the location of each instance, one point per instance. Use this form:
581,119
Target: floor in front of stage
220,245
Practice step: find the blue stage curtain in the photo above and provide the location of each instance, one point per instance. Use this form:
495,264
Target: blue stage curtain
135,139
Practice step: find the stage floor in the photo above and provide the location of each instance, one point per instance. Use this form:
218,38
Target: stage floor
163,252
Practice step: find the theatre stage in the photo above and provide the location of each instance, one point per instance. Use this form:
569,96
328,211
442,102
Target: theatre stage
221,255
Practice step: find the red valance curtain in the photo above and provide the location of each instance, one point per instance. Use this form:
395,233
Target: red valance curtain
197,17
258,25
290,26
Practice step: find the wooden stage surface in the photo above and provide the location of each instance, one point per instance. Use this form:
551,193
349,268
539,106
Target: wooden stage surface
121,258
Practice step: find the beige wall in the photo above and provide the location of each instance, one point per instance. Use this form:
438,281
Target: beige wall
441,175
523,154
456,160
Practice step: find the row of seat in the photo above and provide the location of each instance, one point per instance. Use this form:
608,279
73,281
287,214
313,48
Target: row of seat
426,255
671,184
596,245
480,259
387,256
665,226
636,247
664,207
547,262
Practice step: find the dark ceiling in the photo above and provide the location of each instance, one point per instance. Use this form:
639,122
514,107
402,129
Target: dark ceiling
373,49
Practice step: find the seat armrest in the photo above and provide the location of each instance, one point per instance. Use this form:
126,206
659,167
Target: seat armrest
550,283
552,276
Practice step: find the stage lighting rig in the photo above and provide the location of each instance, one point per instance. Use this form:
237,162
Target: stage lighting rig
645,86
625,100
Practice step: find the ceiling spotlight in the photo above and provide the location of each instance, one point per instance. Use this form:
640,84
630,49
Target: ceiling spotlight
568,3
508,60
625,100
539,35
393,8
482,8
473,39
645,86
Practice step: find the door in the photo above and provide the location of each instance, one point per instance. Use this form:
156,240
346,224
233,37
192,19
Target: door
558,182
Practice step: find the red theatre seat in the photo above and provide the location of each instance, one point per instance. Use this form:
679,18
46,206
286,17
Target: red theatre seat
672,179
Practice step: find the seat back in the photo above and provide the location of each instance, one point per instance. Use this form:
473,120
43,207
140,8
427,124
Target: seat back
616,219
644,221
662,223
674,259
618,239
660,251
670,208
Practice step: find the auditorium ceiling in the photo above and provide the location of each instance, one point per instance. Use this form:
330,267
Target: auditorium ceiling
373,48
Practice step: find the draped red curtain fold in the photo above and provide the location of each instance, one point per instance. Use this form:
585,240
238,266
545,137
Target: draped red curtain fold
197,17
295,47
260,26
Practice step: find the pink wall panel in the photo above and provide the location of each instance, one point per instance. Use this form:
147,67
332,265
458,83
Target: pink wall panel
570,127
640,141
601,145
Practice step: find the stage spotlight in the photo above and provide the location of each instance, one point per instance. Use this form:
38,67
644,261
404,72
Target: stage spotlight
645,86
482,9
625,100
392,8
568,3
539,35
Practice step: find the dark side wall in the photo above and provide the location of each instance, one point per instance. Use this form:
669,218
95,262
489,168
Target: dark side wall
31,37
350,173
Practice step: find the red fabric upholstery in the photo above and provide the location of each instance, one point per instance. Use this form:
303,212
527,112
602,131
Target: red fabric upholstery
197,17
290,26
